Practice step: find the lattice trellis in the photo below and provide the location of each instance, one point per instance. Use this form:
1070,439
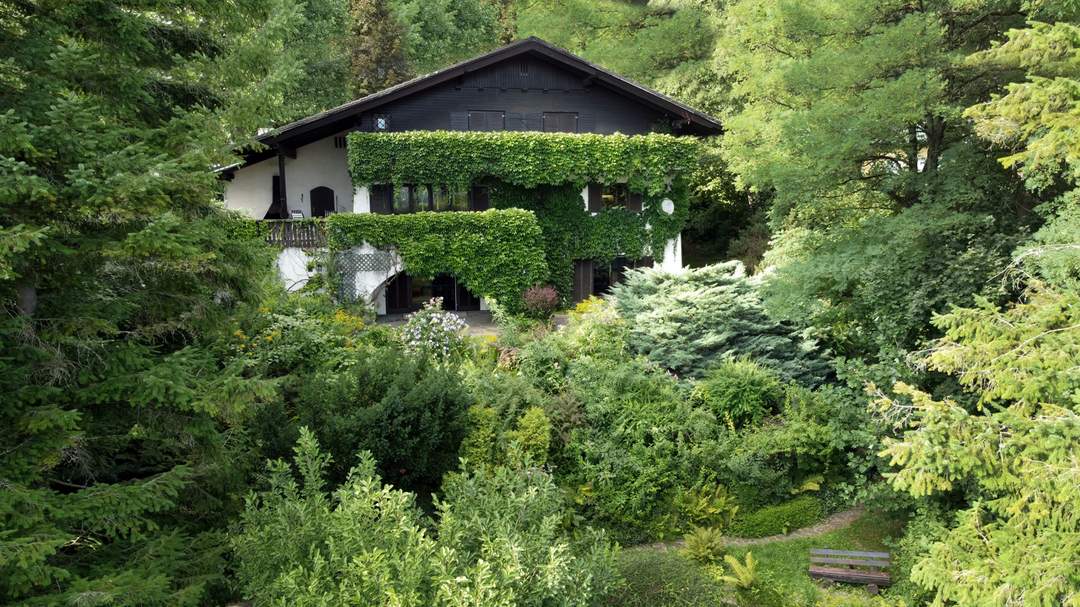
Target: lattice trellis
350,263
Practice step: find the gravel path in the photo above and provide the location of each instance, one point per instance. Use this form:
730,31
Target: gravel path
832,523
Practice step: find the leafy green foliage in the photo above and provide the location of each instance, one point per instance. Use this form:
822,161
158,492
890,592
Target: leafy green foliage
545,172
442,32
691,321
706,505
665,577
848,106
739,392
704,545
571,232
646,162
496,253
874,288
532,436
1019,453
500,539
376,48
122,414
800,512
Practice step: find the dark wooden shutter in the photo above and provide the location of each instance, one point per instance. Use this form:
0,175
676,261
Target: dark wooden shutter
583,279
560,122
487,120
380,198
596,200
459,121
534,122
633,202
480,199
515,121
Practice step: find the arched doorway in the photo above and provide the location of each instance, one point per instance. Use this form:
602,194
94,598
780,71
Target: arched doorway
406,293
322,201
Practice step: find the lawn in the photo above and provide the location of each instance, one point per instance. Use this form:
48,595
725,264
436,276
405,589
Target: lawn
657,578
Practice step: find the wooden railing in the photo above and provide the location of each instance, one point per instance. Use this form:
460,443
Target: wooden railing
301,233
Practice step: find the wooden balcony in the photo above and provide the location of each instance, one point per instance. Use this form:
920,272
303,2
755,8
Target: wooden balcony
299,233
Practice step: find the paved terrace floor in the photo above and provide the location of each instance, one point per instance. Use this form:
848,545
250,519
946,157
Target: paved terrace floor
479,323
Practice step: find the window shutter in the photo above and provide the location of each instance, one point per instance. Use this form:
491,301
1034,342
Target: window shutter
487,120
480,199
515,121
380,198
596,201
633,202
560,122
534,122
459,121
583,279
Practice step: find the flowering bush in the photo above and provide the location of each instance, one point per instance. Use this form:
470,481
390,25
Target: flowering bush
434,332
541,301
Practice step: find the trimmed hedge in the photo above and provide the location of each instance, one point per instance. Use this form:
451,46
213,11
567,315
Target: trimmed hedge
495,253
782,518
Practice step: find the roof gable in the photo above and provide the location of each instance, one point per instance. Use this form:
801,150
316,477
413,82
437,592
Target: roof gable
345,115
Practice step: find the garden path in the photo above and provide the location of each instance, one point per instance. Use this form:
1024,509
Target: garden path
831,523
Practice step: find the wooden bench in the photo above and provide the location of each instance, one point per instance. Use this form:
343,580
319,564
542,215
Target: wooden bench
852,567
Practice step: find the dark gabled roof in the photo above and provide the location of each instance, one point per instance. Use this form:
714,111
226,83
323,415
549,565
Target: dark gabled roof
299,132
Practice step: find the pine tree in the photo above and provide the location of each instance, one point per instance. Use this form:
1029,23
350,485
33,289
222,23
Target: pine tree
376,47
117,275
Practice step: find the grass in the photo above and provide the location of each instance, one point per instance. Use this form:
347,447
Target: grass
656,578
786,562
665,577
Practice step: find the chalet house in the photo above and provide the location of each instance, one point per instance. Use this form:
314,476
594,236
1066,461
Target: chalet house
529,86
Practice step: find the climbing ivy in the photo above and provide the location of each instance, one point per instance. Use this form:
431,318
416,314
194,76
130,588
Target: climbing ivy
495,253
545,173
571,232
647,163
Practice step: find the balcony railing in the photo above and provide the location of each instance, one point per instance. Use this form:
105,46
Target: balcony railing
300,233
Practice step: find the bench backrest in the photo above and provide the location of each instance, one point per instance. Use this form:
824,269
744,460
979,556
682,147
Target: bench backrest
870,560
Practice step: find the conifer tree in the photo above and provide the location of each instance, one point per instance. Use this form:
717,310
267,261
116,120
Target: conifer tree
376,47
116,276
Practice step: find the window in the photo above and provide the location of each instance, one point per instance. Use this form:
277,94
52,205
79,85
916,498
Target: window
613,196
417,198
380,122
487,120
560,122
447,198
403,199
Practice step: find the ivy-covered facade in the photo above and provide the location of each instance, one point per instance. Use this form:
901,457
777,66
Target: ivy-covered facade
524,166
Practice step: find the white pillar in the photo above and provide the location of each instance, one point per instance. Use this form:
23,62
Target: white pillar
361,200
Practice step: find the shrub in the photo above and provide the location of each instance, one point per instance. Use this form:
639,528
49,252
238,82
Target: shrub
500,539
434,332
739,391
802,511
707,506
408,411
532,436
541,301
688,321
479,445
704,545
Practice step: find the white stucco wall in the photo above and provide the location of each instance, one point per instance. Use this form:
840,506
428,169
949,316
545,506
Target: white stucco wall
672,261
317,164
292,265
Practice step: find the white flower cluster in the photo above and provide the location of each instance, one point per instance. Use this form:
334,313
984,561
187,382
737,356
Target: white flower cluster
433,331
